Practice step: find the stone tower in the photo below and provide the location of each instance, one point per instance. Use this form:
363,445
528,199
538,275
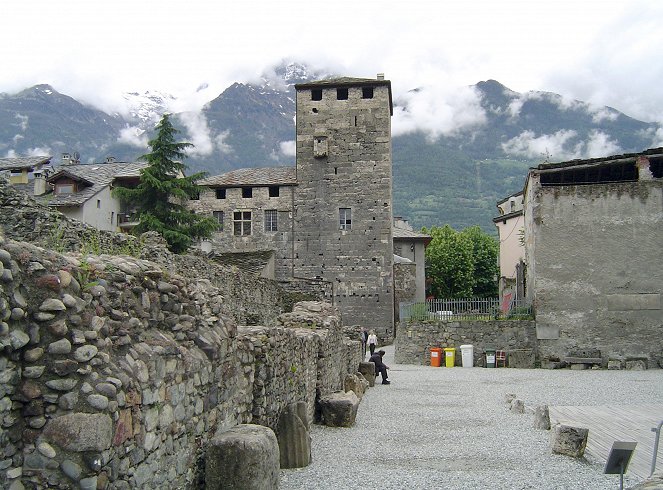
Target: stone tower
343,203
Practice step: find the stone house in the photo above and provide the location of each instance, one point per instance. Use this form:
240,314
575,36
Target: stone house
22,170
593,235
510,229
83,192
330,217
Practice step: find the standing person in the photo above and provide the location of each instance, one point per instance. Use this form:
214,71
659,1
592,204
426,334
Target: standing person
364,341
372,342
380,367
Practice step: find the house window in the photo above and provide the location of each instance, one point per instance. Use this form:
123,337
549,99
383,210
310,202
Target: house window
247,191
218,216
64,188
241,223
273,191
345,215
271,219
220,193
316,94
341,94
367,92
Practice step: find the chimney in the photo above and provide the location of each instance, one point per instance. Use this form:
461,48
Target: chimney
380,76
66,159
110,159
39,183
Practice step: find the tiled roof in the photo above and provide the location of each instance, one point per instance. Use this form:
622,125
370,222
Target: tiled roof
253,177
409,234
342,82
23,162
591,161
100,175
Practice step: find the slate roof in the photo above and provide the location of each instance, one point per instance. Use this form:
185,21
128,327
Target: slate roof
256,177
342,82
99,175
23,162
591,161
405,234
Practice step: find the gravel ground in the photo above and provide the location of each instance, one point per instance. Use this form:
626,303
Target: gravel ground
450,428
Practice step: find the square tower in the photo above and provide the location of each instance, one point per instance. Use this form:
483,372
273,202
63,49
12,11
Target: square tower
343,201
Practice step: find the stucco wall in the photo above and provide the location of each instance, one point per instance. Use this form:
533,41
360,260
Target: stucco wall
594,267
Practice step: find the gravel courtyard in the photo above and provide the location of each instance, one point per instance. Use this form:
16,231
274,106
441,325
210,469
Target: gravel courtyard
450,428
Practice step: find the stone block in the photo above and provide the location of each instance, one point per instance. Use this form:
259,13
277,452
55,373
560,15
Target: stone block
522,358
293,435
245,457
356,383
569,441
339,409
81,432
542,417
615,364
636,364
367,369
517,406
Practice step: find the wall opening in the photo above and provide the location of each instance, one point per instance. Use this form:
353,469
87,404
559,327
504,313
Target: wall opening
367,92
316,94
656,167
341,94
220,193
247,192
274,191
596,174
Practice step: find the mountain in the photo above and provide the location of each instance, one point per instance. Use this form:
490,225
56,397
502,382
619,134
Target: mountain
443,173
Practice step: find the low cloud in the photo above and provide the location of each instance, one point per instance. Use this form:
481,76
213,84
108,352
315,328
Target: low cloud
134,136
199,133
516,104
17,138
656,136
438,111
22,121
220,141
560,146
288,148
600,114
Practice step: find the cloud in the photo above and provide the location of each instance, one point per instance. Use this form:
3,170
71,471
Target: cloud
600,114
17,138
37,151
517,104
23,121
288,148
437,111
560,146
656,136
134,136
199,133
220,141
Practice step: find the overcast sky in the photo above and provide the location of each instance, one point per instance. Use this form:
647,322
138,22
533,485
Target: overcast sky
606,52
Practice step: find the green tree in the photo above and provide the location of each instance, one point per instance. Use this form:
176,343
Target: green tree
461,264
485,251
163,192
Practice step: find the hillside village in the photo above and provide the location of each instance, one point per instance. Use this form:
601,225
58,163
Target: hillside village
153,352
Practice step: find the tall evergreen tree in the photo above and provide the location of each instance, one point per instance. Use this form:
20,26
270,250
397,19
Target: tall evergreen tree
162,195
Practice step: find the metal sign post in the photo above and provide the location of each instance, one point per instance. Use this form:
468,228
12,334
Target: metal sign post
618,460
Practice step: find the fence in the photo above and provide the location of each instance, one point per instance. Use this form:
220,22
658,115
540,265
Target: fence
467,309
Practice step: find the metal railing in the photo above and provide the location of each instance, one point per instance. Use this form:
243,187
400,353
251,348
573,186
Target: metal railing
467,309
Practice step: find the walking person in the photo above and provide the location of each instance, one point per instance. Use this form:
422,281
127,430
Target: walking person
364,341
372,341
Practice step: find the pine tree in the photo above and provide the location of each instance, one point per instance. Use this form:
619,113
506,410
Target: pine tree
161,197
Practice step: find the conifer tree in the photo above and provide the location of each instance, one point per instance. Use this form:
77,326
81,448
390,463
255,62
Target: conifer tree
161,197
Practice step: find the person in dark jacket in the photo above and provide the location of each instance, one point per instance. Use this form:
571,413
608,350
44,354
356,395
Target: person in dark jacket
380,367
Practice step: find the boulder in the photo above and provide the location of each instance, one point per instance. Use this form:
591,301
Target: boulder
293,435
522,358
339,409
81,432
245,457
357,383
569,441
367,369
517,406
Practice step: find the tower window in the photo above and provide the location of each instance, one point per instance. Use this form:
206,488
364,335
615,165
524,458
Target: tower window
367,92
241,223
316,94
341,94
271,220
345,218
220,193
247,192
273,191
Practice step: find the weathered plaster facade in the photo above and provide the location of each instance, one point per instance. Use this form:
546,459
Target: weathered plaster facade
510,226
593,231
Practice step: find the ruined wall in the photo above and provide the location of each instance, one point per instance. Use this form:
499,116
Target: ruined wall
415,338
594,267
344,161
405,285
115,372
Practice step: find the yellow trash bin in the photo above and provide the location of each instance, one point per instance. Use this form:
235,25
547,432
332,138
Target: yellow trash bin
449,356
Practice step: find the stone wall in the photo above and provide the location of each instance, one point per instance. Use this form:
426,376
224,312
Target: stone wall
415,338
344,161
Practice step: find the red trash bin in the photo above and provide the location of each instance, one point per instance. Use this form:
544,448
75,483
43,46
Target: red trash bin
435,356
